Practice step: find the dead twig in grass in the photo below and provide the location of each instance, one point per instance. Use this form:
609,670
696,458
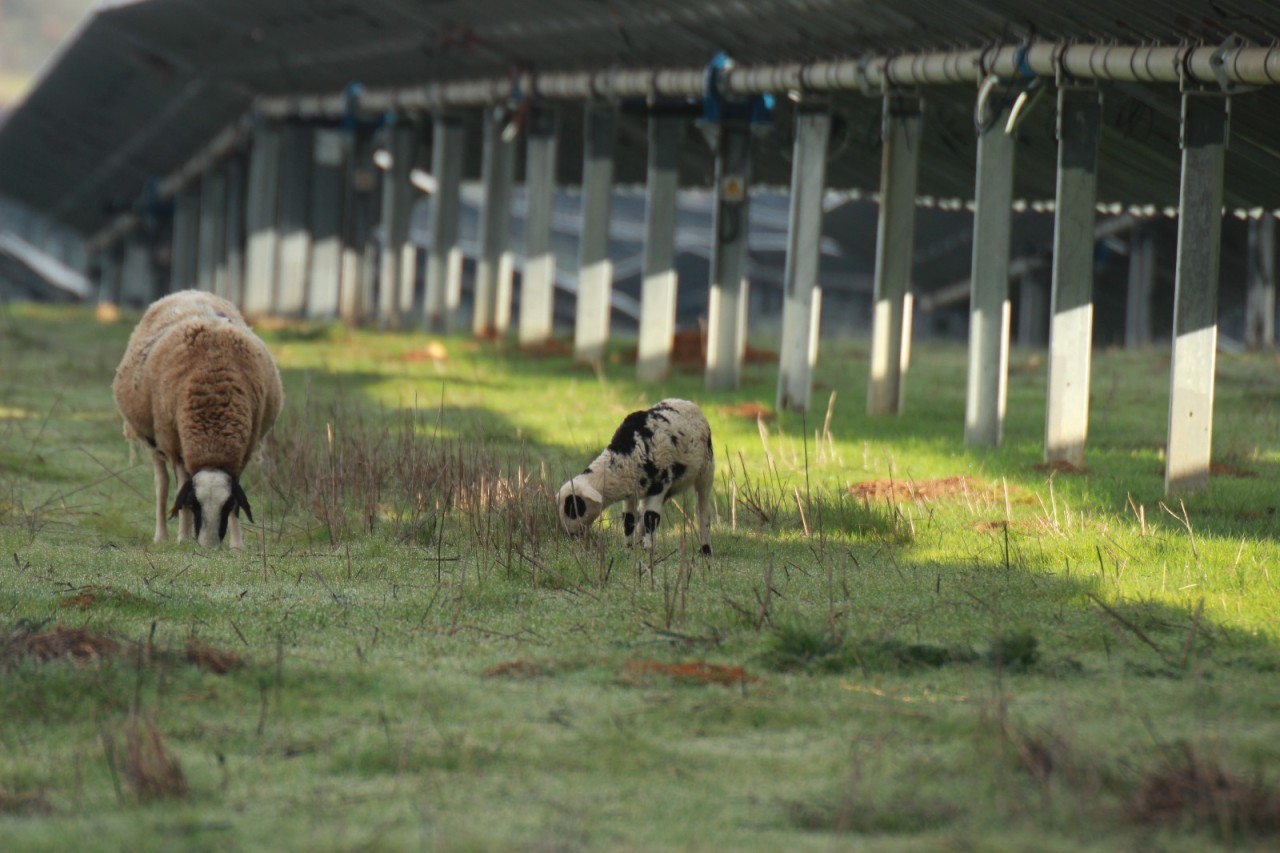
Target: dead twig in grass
1132,628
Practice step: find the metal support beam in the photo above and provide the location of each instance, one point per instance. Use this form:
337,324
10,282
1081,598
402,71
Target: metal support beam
328,195
1260,310
1071,326
799,350
229,281
211,255
659,283
1195,310
397,202
444,261
263,237
295,221
186,239
595,270
1142,283
730,225
989,281
493,265
1033,309
110,275
895,249
538,283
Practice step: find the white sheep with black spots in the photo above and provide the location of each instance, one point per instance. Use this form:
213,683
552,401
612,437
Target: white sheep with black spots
201,390
655,454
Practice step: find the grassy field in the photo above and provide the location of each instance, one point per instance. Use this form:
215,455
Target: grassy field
899,644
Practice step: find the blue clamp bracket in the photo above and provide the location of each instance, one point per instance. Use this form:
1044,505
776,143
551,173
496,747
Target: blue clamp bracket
716,108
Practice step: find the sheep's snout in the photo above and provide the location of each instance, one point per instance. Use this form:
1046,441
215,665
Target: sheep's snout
213,498
579,505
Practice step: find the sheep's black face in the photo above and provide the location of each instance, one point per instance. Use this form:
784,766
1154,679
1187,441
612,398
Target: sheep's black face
579,505
574,507
211,497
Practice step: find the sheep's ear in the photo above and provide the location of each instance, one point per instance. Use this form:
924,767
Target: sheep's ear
574,507
186,499
242,502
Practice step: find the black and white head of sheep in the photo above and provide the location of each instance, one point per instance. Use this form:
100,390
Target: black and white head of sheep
212,497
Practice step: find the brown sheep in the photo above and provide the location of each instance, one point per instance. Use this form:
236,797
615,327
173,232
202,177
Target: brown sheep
201,390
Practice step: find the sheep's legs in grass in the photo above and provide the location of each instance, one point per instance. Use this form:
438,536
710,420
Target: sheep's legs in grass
629,519
652,518
703,488
186,521
162,497
233,531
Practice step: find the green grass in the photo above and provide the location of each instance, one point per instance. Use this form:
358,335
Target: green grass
1026,661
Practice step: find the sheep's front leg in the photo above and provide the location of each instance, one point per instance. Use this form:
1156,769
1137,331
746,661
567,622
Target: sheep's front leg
233,531
652,517
186,521
703,489
629,520
162,497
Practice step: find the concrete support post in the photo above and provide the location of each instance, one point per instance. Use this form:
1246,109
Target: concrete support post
1033,309
1195,310
444,262
895,249
799,352
1071,326
595,270
328,195
538,283
111,276
229,281
211,254
355,296
1260,310
136,270
989,286
263,233
1142,283
186,240
397,202
730,225
295,221
493,268
659,282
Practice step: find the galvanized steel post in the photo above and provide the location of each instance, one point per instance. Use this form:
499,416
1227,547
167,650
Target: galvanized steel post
185,240
397,202
989,285
802,294
328,194
595,269
294,221
1071,326
444,261
493,265
730,226
211,254
1195,310
895,247
538,282
263,238
659,283
1260,308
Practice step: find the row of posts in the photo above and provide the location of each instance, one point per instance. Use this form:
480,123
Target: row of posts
290,233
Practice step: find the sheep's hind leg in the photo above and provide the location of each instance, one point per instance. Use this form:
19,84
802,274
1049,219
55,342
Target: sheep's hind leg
162,497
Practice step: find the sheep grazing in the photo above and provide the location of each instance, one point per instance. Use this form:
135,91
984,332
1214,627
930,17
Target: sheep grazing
654,454
201,389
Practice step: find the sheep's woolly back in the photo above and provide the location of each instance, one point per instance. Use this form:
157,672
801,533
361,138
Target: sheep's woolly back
664,448
132,394
204,393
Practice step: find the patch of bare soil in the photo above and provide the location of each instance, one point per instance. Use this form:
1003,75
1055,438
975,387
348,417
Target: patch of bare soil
83,648
751,411
433,351
517,669
550,347
1188,786
921,490
694,671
